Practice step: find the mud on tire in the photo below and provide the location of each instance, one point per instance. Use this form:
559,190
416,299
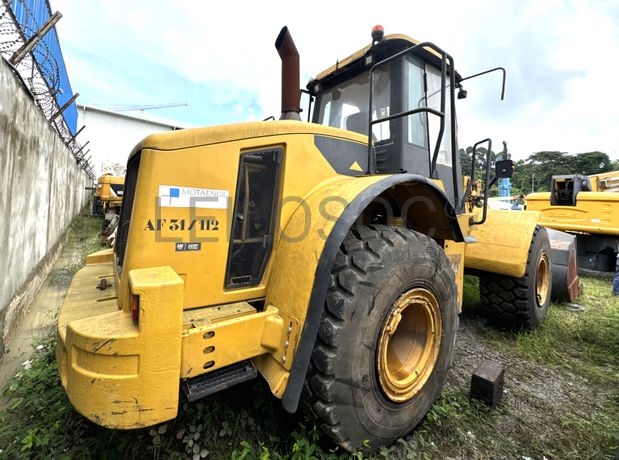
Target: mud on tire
373,267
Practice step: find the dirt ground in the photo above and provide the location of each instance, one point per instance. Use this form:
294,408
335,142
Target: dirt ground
536,400
547,412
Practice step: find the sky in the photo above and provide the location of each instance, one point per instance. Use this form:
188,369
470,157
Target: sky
560,57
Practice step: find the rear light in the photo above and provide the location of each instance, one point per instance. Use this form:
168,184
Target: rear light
135,308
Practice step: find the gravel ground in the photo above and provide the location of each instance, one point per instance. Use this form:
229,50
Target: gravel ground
532,420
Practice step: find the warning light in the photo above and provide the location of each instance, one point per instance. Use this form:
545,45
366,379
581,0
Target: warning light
377,33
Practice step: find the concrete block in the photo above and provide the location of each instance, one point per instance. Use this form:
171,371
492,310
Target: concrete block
487,383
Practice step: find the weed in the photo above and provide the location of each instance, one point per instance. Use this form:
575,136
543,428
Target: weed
584,342
245,422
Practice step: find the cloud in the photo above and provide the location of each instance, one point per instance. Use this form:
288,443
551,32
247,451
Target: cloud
560,58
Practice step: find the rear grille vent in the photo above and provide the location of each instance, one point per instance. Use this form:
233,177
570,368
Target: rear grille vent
253,217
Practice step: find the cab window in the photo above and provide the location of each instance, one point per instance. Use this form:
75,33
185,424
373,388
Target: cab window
346,106
417,123
434,101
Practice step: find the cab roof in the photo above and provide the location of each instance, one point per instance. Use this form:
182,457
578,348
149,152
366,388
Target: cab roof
356,62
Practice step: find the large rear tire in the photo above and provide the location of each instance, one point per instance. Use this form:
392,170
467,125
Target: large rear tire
387,337
521,303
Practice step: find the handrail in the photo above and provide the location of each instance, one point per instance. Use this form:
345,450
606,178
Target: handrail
472,221
407,113
440,113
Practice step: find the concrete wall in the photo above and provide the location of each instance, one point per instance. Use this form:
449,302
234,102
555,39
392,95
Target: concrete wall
41,190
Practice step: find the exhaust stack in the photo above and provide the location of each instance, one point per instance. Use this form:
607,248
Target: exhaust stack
291,94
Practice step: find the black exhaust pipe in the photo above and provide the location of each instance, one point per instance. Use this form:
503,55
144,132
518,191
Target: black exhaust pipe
291,93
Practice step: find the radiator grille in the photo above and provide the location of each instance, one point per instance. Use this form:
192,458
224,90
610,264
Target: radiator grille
253,217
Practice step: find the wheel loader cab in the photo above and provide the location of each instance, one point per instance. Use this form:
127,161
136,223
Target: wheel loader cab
409,82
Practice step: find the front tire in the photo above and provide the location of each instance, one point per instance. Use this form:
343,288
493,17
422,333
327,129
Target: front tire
387,337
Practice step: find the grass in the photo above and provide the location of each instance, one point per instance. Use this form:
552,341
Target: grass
579,342
455,425
246,422
585,342
83,239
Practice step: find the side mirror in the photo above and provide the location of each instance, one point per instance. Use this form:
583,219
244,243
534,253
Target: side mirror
504,169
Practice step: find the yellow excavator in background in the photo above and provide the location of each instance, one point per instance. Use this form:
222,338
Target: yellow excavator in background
328,257
588,207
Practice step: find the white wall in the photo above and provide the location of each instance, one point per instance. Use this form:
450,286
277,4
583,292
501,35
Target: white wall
113,135
41,190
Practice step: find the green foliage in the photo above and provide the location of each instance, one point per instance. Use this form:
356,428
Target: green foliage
83,239
544,165
39,418
466,159
470,292
541,165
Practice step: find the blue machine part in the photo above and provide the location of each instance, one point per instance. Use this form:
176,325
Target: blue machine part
505,187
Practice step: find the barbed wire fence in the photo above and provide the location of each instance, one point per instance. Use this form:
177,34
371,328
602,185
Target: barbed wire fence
40,71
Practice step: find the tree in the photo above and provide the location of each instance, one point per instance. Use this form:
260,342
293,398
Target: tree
466,157
539,167
543,165
592,163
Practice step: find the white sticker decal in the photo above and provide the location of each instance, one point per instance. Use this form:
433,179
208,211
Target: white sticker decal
175,196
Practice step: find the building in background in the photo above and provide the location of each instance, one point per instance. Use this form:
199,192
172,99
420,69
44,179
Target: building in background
113,135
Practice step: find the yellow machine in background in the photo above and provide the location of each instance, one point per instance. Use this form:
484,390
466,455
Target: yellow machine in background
587,206
605,182
108,195
328,256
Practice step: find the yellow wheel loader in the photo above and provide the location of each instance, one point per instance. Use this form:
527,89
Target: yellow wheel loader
326,256
108,196
588,207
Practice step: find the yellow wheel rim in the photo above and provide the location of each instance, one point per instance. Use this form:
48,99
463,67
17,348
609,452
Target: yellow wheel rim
409,344
542,281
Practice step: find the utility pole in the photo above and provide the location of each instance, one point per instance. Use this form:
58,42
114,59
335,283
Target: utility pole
532,183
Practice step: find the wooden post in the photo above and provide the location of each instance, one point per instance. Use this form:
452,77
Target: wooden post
64,107
75,135
81,148
27,47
